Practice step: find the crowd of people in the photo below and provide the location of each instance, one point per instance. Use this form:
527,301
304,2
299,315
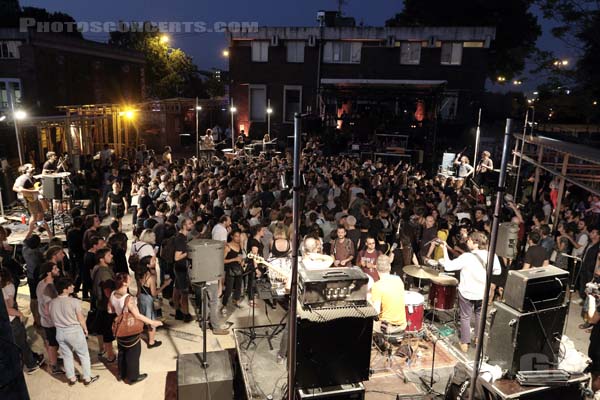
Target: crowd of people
378,216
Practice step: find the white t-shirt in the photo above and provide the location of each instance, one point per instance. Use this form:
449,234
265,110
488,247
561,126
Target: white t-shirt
8,292
219,232
118,303
472,273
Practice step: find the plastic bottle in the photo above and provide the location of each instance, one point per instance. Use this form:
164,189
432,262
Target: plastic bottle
23,219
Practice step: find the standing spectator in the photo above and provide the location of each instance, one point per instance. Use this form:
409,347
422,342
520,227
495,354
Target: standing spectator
117,241
116,203
221,230
33,256
234,261
102,285
367,258
546,241
31,360
45,293
129,347
535,256
147,291
71,331
89,262
181,268
342,249
92,223
76,252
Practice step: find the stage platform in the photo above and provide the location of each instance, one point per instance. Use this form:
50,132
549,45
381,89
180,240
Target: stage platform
264,378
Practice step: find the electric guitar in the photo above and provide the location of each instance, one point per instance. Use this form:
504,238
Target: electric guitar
276,273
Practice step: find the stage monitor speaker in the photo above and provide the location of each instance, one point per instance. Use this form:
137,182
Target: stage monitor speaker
508,238
207,259
215,382
51,188
525,341
355,391
334,352
536,288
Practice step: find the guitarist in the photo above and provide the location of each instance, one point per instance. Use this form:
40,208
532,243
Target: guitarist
28,193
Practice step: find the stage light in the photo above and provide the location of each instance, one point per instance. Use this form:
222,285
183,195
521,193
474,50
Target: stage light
20,114
199,108
233,109
269,110
2,118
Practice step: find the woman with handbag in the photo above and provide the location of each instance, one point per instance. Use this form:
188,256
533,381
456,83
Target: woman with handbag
147,292
127,327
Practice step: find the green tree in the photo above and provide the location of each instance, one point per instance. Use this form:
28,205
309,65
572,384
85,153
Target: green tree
170,72
517,29
11,12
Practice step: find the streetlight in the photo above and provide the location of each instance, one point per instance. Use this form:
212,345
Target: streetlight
269,112
517,82
232,110
225,53
2,118
198,109
164,39
18,115
501,79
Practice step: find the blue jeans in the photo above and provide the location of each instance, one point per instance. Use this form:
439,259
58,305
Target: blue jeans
72,340
146,304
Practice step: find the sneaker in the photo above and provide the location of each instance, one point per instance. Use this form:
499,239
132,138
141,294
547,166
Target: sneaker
92,380
140,378
56,370
585,325
224,311
280,360
155,344
72,382
179,315
187,318
31,370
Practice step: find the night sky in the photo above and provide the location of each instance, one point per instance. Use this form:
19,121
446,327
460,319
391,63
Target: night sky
205,48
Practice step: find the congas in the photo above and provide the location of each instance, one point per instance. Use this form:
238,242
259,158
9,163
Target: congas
414,304
442,293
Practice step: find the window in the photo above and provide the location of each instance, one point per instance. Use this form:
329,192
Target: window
451,53
449,106
9,89
295,51
260,51
342,52
258,102
410,53
292,102
9,49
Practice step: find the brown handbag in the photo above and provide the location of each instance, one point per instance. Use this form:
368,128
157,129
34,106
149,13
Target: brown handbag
126,324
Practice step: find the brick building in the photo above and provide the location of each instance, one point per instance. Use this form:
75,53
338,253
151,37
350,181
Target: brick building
371,79
41,71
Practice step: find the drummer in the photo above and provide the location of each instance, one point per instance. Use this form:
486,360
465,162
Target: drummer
471,289
387,297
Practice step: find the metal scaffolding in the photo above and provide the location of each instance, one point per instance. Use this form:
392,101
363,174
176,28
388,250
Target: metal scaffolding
570,162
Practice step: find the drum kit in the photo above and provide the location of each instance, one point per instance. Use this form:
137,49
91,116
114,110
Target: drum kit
441,296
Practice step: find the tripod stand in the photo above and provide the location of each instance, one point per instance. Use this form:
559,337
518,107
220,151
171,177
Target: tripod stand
251,333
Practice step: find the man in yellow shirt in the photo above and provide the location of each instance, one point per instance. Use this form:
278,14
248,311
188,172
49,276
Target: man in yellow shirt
387,296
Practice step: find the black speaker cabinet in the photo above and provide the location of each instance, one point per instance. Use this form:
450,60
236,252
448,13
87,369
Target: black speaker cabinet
195,382
332,353
536,288
51,188
529,341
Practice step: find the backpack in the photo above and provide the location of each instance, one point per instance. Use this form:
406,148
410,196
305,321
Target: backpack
134,256
167,250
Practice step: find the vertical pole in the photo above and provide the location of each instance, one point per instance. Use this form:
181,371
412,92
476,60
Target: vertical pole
197,142
537,172
294,278
477,135
205,301
12,107
269,117
561,187
491,257
232,129
520,156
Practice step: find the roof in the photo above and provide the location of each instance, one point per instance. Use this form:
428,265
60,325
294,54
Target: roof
580,151
381,82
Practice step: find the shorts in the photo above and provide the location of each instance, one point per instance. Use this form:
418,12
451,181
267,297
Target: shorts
50,336
146,305
117,211
104,323
182,280
35,207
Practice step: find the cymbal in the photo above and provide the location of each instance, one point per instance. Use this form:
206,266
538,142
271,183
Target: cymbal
420,272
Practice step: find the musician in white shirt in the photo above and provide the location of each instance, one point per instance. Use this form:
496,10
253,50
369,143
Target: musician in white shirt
471,289
29,194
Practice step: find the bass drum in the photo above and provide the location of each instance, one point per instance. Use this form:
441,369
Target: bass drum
414,304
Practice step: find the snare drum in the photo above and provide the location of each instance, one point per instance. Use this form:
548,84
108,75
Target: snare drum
414,304
442,293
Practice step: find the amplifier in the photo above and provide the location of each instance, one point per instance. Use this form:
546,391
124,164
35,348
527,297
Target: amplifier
536,288
529,341
332,287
